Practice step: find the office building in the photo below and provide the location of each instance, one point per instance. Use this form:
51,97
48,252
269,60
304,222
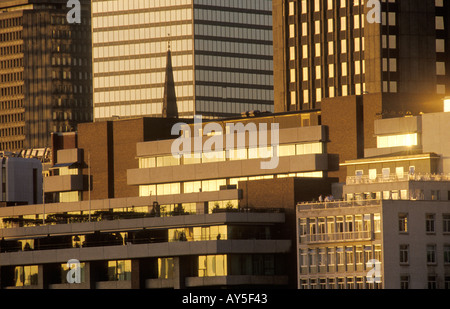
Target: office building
221,53
396,55
45,71
338,57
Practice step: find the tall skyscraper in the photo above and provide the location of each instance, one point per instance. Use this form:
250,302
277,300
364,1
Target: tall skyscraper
395,49
221,56
45,72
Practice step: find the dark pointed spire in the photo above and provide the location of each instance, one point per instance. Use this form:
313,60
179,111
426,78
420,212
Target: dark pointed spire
170,109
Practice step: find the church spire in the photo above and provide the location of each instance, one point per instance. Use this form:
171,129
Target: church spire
170,109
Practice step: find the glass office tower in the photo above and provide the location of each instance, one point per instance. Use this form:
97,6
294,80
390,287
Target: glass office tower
221,56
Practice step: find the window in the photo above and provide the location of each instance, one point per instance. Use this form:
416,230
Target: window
397,140
376,223
292,52
292,31
291,8
330,257
399,171
321,226
212,265
429,223
312,226
404,282
330,225
65,269
322,257
26,275
432,283
349,223
119,270
349,255
404,254
403,223
431,254
165,268
292,75
447,254
446,223
302,227
359,255
340,256
303,258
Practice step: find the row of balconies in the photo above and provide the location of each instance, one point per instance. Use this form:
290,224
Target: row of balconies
336,237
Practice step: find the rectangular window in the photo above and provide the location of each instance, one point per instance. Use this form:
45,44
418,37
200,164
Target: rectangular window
404,254
446,223
340,256
403,223
432,283
65,269
212,265
165,268
404,282
119,270
431,254
330,257
447,254
349,255
26,275
397,140
429,223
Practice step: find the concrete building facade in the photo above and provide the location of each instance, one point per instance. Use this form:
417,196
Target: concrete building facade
21,180
193,223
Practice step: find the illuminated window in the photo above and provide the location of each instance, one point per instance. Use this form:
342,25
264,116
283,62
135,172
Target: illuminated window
403,223
292,53
212,265
165,268
65,269
167,161
71,196
26,275
119,270
397,140
292,31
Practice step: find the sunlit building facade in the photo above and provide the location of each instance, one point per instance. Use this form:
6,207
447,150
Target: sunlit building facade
221,56
326,49
389,225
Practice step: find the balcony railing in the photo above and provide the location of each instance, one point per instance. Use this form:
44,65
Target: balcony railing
366,179
344,236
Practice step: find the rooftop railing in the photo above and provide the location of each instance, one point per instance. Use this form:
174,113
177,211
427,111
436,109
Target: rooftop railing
337,204
367,179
